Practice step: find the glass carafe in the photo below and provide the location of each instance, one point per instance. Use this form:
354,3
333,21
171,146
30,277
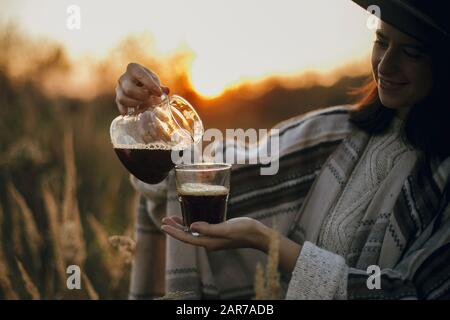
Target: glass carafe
144,141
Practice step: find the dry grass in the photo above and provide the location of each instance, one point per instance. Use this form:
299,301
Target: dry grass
29,285
60,240
2,216
16,232
268,287
260,286
54,232
175,295
74,247
125,247
31,230
92,294
5,283
273,276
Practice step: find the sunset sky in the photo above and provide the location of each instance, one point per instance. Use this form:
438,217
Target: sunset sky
232,41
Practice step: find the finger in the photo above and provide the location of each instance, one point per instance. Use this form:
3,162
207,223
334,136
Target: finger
202,241
127,102
171,222
181,235
143,107
141,76
155,77
150,102
131,90
214,230
154,100
177,220
123,110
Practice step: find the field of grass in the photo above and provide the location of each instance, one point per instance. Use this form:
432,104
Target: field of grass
60,201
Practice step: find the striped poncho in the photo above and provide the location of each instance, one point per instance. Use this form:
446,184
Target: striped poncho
404,228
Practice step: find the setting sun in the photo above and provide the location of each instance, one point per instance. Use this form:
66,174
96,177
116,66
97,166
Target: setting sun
231,41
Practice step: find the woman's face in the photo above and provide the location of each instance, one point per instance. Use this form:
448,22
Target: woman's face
402,69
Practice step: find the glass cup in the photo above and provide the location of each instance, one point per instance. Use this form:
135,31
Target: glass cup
203,191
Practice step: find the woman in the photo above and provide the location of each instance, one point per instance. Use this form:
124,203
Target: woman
357,187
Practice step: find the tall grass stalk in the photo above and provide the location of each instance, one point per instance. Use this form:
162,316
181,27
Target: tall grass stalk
28,283
90,290
31,230
54,232
267,284
5,283
74,247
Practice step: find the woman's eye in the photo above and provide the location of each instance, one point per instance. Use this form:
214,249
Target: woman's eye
413,55
381,44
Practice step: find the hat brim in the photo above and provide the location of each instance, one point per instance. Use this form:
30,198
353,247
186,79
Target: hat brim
407,19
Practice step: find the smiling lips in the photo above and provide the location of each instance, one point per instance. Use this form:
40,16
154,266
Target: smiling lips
391,85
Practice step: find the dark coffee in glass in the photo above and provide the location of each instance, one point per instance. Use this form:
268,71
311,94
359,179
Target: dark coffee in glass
203,190
203,202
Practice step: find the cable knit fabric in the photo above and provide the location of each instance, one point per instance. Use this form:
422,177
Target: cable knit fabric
378,159
321,270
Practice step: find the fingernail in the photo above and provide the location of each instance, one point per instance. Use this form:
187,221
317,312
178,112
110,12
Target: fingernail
198,225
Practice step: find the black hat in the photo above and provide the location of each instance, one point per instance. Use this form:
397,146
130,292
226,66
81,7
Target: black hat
425,20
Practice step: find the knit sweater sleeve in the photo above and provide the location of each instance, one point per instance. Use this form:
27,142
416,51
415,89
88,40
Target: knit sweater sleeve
422,273
318,275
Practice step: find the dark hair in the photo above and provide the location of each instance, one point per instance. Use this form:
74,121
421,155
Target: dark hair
427,125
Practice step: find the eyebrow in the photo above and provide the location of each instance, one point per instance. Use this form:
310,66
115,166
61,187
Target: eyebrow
380,34
408,45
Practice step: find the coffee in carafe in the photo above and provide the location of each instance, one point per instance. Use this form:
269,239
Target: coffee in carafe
144,142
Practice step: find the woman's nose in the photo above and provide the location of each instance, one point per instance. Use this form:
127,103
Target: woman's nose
390,62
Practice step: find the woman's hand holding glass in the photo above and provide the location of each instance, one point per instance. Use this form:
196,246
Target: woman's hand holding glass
235,233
